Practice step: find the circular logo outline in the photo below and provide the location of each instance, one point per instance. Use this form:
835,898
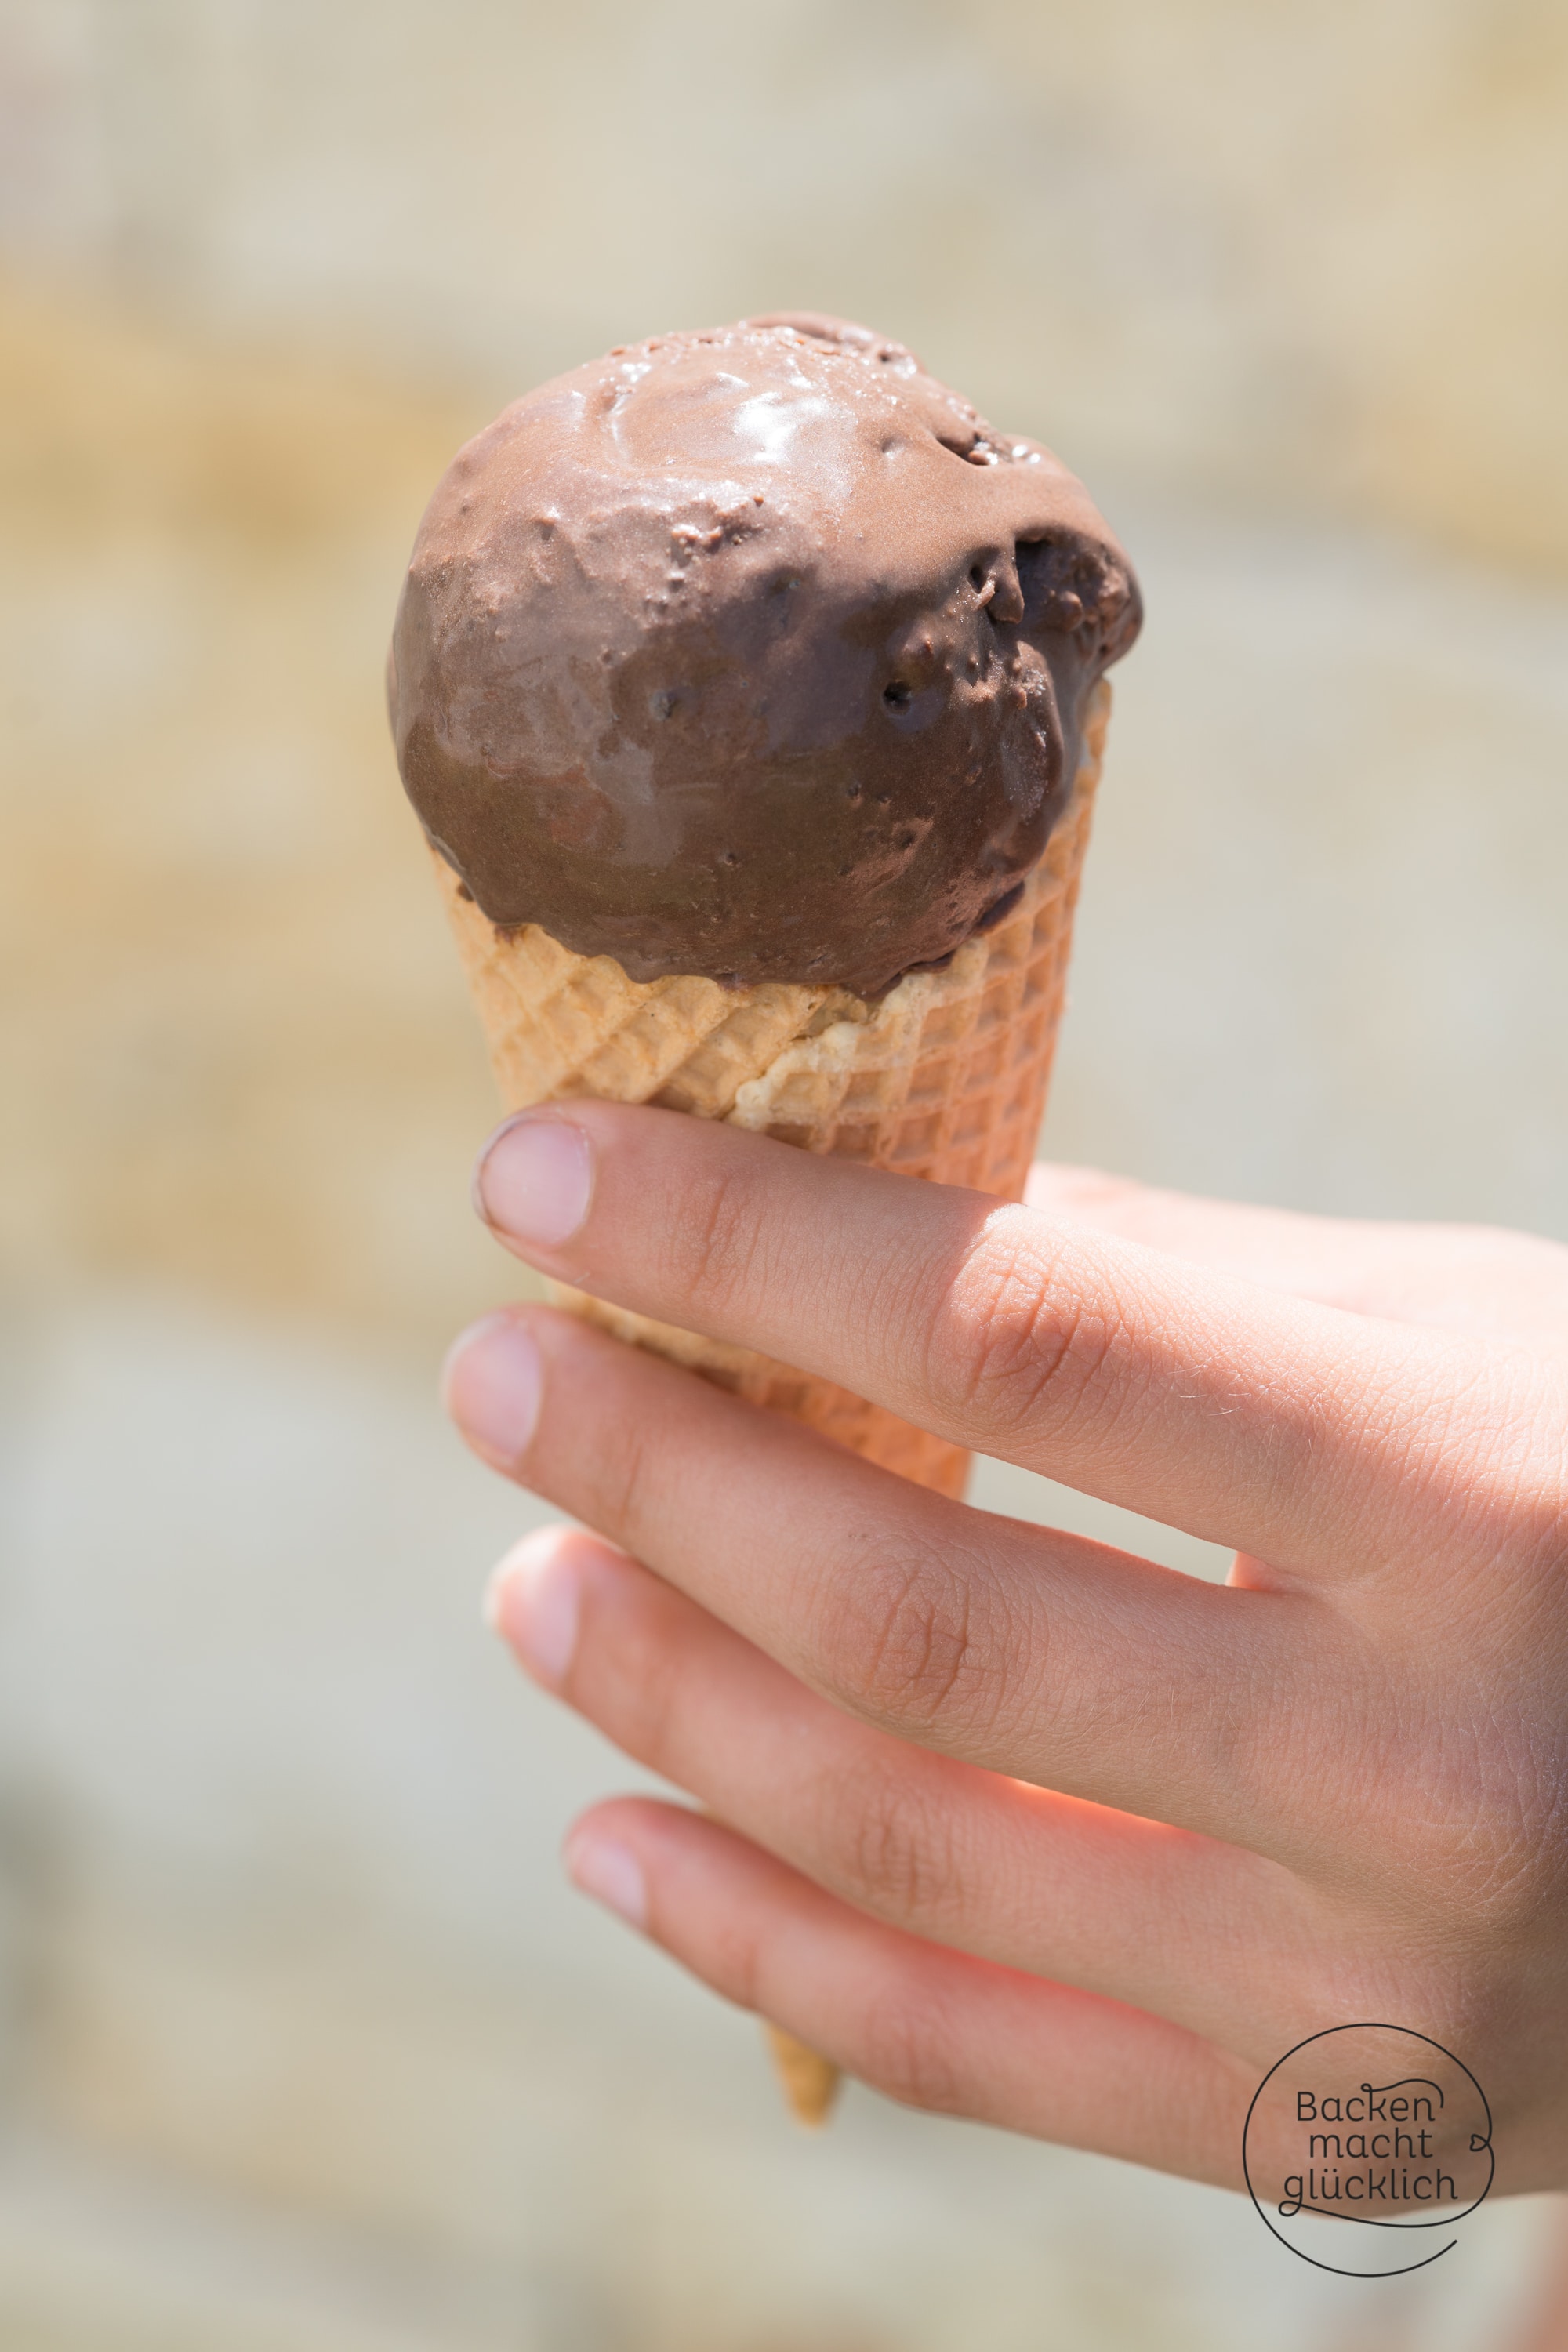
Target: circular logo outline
1368,2025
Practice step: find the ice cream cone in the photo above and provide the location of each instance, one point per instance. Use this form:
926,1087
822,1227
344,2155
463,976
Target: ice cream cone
808,2080
945,1078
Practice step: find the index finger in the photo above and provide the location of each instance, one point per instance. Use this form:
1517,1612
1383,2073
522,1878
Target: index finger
1478,1279
1246,1417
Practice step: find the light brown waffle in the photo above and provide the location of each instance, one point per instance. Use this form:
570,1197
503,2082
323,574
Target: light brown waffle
944,1078
809,2081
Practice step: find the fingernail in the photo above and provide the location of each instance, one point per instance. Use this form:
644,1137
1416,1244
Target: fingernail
610,1872
492,1381
534,1603
534,1179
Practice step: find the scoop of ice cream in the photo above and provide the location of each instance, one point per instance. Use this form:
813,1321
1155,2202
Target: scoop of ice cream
753,653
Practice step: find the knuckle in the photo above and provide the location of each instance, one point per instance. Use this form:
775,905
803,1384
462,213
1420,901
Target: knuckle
635,1682
625,1474
713,1231
622,1469
736,1966
718,1234
1014,1338
901,1862
904,1638
911,2051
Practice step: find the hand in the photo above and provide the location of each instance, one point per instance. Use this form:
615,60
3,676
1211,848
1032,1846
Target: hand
1011,1824
1473,1278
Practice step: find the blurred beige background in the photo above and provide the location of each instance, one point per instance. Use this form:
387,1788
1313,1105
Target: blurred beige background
303,2044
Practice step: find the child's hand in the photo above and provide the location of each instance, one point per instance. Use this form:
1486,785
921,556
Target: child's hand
1009,1823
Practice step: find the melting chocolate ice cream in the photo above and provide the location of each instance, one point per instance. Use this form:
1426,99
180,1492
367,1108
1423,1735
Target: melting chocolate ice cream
753,653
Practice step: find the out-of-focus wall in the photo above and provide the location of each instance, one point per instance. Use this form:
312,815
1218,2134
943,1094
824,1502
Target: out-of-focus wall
238,1055
1256,247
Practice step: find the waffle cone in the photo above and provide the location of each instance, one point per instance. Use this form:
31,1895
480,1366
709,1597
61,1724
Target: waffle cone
945,1078
809,2081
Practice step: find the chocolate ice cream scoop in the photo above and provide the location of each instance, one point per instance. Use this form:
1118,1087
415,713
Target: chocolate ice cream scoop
752,652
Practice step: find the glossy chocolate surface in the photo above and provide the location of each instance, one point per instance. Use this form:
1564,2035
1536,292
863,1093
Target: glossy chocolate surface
753,653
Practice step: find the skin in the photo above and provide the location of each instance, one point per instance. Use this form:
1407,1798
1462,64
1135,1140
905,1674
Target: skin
1011,1824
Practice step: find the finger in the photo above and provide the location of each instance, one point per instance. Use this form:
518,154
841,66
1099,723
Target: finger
1248,1419
1039,1654
1324,1258
1177,1925
930,2027
1471,1278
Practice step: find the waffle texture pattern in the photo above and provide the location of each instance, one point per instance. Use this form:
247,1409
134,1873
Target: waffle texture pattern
944,1078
